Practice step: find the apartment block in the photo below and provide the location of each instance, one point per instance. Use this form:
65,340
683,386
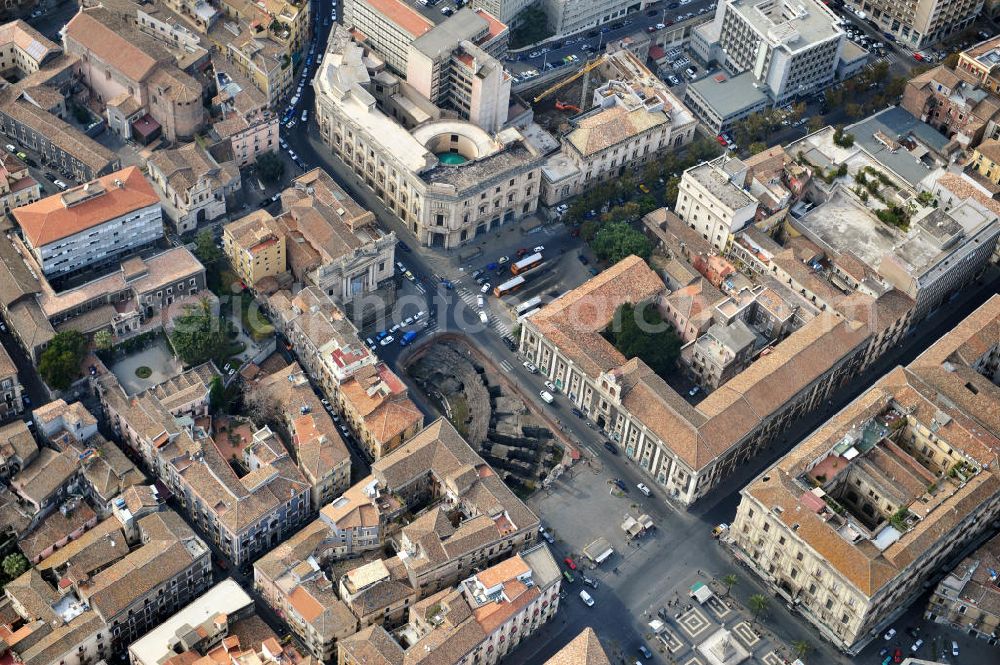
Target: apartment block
959,108
851,523
17,186
118,61
246,127
979,63
711,200
968,598
320,451
481,620
112,589
11,397
389,27
633,119
210,620
374,401
918,23
169,426
93,224
986,160
570,16
448,180
774,51
193,187
255,247
455,65
506,11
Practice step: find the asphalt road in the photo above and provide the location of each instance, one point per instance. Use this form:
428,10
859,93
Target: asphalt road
597,38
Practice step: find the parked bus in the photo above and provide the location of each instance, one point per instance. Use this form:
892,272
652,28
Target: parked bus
528,305
508,287
526,264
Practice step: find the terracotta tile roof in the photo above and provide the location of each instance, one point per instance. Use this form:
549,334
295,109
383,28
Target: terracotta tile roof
612,126
404,16
59,216
34,44
108,44
584,649
990,149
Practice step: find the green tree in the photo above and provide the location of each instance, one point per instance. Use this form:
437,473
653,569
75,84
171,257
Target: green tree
198,335
802,648
671,190
14,564
533,27
641,332
217,395
205,248
59,363
757,147
951,61
758,605
730,581
103,339
270,167
616,240
816,123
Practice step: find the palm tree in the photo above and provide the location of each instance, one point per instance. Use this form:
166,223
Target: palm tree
730,581
758,605
801,648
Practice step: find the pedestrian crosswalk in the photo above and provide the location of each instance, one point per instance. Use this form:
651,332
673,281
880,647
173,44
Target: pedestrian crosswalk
501,327
468,297
506,366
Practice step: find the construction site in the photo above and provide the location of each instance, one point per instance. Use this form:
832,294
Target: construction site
555,102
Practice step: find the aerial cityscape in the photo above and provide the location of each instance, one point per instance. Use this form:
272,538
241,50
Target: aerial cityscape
460,332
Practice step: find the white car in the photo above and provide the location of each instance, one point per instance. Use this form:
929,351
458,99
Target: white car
387,340
370,342
483,318
584,596
644,489
416,317
486,288
305,115
480,302
891,634
539,249
551,386
528,365
546,396
394,328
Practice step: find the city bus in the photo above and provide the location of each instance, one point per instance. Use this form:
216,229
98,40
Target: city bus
508,287
528,305
522,317
526,264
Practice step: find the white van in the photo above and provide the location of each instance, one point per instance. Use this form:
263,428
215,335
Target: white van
546,396
587,599
482,317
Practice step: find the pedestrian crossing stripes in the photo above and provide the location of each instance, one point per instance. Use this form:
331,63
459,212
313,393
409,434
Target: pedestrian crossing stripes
502,329
506,366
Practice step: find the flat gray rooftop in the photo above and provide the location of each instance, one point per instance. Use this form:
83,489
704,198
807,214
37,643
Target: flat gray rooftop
900,125
728,96
793,24
716,181
843,224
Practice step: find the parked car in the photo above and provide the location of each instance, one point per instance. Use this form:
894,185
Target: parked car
570,563
485,288
644,489
916,646
646,653
583,259
621,484
551,387
587,599
386,341
890,634
539,249
544,394
528,365
611,448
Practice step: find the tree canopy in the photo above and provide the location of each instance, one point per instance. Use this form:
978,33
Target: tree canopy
198,334
14,564
60,362
270,167
641,332
616,240
205,248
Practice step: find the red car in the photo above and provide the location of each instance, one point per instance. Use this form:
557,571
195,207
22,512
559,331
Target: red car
570,563
897,655
521,252
721,139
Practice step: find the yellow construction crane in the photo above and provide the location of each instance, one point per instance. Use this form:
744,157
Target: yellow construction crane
569,79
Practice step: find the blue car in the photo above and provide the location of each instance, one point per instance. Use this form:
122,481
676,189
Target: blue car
491,266
382,335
